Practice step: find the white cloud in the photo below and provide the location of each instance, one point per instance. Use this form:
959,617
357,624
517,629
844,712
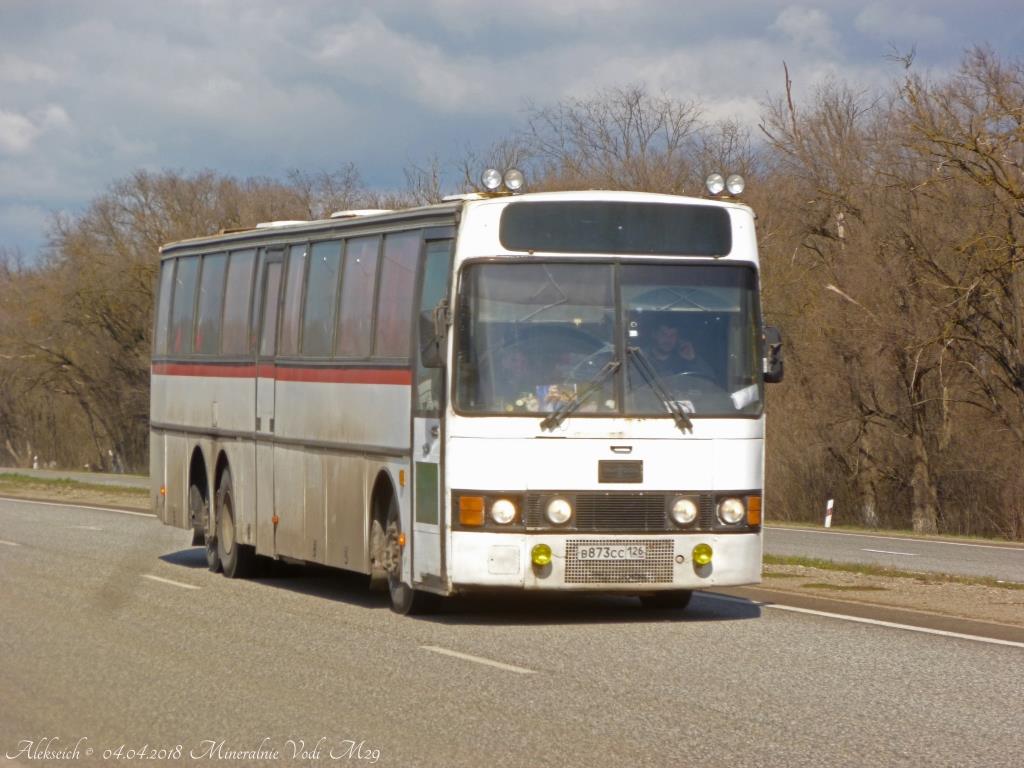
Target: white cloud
15,69
889,22
808,27
17,133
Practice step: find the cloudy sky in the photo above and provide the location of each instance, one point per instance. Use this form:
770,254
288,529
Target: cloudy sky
93,89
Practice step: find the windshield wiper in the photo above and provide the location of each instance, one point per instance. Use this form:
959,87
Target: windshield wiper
655,382
556,417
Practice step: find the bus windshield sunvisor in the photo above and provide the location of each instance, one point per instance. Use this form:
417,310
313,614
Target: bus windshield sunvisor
654,229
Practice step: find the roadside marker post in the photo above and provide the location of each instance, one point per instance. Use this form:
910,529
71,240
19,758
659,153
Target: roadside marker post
828,514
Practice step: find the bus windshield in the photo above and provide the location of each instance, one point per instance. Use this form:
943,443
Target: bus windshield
534,336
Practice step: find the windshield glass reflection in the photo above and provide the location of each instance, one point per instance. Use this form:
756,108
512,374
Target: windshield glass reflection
533,337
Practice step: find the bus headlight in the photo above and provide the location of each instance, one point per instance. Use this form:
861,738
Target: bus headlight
683,511
503,511
731,511
559,511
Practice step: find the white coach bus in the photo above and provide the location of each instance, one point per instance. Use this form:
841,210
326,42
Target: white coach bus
551,391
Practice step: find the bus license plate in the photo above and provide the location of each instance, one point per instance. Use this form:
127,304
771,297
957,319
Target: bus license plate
611,552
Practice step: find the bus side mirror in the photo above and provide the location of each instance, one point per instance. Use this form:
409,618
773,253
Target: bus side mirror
433,334
773,368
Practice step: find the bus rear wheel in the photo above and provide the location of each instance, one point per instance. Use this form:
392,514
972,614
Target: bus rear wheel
672,600
238,561
199,510
404,599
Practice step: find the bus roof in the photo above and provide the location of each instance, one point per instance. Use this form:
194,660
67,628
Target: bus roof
439,214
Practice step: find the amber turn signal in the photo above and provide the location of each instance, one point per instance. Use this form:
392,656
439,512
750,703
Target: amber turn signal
471,510
753,510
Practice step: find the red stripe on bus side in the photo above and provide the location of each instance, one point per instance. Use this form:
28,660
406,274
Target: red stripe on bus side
319,375
205,369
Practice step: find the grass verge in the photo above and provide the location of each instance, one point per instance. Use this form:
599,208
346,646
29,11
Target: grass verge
867,569
25,482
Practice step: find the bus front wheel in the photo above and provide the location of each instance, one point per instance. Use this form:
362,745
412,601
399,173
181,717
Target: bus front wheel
404,599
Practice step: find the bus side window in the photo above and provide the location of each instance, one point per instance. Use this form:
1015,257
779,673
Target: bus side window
395,297
436,274
210,305
184,305
237,296
288,343
163,309
321,294
355,317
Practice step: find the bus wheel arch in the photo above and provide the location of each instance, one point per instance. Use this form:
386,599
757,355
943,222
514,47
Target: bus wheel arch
380,502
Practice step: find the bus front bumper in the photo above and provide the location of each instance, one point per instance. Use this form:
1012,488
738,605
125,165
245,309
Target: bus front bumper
631,563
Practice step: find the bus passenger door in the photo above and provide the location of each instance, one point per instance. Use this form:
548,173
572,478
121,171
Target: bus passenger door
428,403
267,303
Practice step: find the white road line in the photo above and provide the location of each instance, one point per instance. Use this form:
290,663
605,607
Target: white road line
888,538
86,527
168,581
10,543
893,625
76,506
478,660
889,552
859,620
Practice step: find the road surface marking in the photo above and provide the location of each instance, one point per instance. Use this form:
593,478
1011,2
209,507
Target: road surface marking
76,506
478,660
86,527
859,620
889,552
168,581
889,538
10,543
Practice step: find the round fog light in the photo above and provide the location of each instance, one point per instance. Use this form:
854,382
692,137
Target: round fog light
541,554
715,183
702,554
491,179
503,511
684,511
514,179
735,184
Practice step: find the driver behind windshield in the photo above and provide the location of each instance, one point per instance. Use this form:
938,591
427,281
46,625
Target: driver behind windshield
671,354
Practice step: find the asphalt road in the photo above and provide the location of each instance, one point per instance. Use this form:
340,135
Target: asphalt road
114,633
980,559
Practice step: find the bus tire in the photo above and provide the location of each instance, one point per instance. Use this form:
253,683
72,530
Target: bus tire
199,511
404,599
238,561
672,600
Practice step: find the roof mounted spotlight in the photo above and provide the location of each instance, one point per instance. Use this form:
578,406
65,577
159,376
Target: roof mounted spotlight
491,179
715,183
735,184
514,180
